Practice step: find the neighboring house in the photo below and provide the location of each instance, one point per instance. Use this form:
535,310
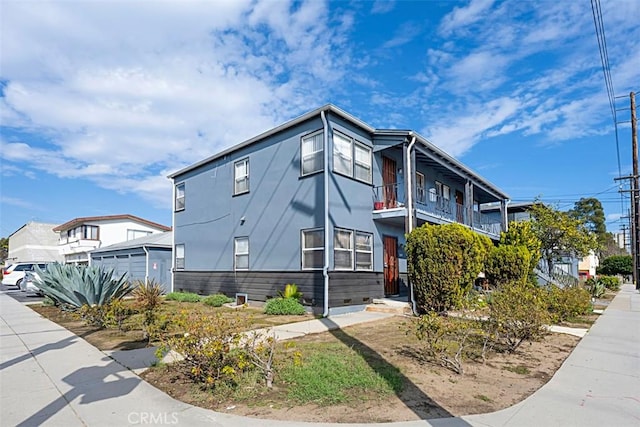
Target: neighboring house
144,259
34,241
264,213
565,270
81,235
587,266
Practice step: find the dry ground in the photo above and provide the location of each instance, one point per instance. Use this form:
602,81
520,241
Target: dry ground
429,391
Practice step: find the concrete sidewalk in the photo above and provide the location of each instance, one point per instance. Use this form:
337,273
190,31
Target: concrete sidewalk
49,376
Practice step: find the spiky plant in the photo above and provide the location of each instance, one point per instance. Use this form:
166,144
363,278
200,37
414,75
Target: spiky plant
75,286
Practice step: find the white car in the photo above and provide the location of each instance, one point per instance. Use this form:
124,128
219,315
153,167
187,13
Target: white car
14,274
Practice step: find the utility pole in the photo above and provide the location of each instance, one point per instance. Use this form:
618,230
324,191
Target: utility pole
635,193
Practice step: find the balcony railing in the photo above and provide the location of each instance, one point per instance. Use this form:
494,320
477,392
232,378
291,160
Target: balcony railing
435,205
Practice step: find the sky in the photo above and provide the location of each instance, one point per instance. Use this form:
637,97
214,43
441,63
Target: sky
101,100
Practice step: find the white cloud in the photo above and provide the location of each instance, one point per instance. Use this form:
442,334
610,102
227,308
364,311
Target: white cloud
20,203
403,35
381,7
463,16
125,90
458,134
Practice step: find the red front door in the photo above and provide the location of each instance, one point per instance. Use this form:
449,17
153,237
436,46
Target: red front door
391,275
459,207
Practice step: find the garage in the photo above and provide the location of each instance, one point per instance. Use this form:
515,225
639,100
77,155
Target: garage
145,258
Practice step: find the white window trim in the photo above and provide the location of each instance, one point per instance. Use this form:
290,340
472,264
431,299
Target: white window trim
353,163
179,198
176,258
303,249
350,250
236,253
237,179
356,251
312,154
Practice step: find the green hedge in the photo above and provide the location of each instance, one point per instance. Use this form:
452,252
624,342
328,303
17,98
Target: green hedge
284,306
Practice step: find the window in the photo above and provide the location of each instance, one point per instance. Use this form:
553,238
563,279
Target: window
179,197
342,154
89,232
421,196
241,177
241,253
364,251
135,234
180,257
444,196
312,249
351,158
312,153
362,163
342,249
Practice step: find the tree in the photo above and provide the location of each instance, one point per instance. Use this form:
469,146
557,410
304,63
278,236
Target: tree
4,248
611,247
590,212
521,233
560,234
617,264
507,264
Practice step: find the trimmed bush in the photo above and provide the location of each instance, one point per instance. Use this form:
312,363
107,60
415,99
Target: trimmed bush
508,263
183,297
284,306
217,300
444,261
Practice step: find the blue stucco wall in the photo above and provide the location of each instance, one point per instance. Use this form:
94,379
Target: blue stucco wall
279,204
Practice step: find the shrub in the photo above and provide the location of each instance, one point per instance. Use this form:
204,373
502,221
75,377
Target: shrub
444,261
616,264
72,286
284,306
568,302
290,291
447,341
610,282
217,300
210,347
183,297
148,297
518,313
508,263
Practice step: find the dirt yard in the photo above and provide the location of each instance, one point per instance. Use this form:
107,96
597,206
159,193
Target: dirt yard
429,391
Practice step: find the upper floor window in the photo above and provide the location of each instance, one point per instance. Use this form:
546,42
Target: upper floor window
179,197
351,158
179,256
135,234
312,153
84,232
421,195
241,176
312,249
241,253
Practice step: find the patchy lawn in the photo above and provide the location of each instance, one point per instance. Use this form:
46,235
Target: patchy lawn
376,368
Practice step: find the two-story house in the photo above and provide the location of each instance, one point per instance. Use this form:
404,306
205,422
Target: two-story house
81,235
323,201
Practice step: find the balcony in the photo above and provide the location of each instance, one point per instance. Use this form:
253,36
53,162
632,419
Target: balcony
389,206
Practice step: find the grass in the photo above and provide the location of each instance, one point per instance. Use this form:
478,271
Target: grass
520,369
483,398
183,297
334,373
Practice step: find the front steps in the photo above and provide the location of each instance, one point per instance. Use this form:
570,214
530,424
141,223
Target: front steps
391,306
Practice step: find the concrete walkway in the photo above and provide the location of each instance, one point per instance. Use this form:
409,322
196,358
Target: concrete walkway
49,376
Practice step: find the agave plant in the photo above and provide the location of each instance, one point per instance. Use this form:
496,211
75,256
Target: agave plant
75,286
